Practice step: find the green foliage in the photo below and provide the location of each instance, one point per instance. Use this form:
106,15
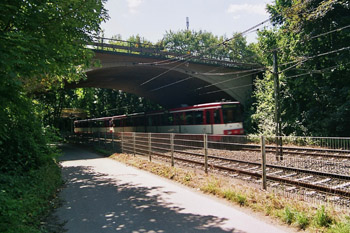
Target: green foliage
341,227
315,92
204,43
24,142
96,102
288,215
322,218
302,221
42,46
25,197
241,199
44,43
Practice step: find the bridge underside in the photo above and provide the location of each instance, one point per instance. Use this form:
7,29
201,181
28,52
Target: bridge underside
129,79
180,83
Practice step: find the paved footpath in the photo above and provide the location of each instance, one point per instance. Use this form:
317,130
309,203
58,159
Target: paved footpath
103,195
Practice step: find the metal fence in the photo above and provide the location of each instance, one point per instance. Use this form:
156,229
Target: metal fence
147,49
315,168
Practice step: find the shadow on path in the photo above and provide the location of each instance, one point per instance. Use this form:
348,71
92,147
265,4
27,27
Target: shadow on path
94,202
77,152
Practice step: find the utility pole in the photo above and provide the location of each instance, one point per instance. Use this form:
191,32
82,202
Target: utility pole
278,131
187,23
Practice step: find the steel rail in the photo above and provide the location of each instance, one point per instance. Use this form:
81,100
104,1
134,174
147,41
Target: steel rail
269,177
287,150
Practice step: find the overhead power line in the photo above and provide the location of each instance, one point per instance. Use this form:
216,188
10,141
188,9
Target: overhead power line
317,71
312,57
210,47
229,80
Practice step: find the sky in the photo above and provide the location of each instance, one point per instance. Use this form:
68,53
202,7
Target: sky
151,19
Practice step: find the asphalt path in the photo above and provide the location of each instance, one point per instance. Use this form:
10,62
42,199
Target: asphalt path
103,195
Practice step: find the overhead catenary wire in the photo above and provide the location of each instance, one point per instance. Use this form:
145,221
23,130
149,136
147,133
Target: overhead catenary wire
291,76
231,79
170,84
157,76
312,57
221,90
304,40
317,71
187,59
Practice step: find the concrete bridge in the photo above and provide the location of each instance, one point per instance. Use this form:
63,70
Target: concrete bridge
169,79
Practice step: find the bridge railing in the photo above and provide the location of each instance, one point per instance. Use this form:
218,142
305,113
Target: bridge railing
146,49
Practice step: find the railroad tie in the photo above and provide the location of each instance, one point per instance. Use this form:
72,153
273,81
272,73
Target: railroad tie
274,173
321,181
304,178
288,175
341,185
291,188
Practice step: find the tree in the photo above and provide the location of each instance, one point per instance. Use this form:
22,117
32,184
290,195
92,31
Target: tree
205,44
311,37
42,45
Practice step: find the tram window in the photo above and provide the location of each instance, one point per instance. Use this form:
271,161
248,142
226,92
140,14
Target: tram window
177,120
159,119
182,118
128,122
137,121
116,123
155,120
149,121
232,114
189,118
106,123
142,121
168,119
217,118
207,116
198,117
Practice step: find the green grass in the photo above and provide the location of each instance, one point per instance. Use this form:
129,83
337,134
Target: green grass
25,198
288,216
302,220
293,212
322,218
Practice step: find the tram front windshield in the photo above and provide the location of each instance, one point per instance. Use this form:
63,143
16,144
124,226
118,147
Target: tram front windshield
232,113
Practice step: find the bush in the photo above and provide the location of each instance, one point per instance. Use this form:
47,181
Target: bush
25,198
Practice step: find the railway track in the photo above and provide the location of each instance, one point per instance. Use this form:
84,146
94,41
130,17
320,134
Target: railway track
293,150
316,183
315,171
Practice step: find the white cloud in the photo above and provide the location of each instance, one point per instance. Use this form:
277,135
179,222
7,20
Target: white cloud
239,9
133,5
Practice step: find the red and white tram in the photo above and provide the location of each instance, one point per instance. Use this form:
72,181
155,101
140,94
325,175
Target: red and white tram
223,118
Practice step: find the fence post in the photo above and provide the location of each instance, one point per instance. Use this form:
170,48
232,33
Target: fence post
149,147
263,162
172,148
134,142
205,142
279,148
122,142
105,142
113,141
99,138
